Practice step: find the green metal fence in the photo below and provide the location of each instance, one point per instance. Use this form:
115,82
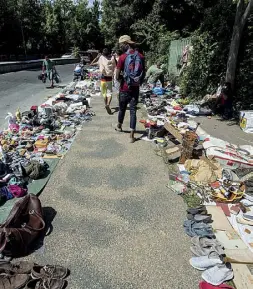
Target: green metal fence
175,54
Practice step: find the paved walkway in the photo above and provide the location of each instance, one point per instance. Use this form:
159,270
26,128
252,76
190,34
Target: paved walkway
226,130
116,223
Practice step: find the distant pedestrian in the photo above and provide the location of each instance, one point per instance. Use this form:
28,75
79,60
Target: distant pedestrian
107,65
48,66
130,72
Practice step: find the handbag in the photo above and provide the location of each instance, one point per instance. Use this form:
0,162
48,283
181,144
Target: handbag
23,226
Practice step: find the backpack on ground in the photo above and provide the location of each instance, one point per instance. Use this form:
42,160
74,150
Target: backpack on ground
133,69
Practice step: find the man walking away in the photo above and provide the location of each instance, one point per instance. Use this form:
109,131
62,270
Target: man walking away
49,67
154,74
131,73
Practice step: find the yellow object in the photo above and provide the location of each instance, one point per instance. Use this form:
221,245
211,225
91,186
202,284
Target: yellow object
18,115
106,88
41,143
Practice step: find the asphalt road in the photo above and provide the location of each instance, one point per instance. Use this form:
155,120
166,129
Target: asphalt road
23,89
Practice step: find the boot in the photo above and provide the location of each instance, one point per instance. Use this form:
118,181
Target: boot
132,139
20,267
13,282
49,271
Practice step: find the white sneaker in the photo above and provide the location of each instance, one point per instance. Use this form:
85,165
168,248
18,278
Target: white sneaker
218,274
204,262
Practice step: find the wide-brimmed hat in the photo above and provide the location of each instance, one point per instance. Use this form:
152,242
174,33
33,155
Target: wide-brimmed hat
125,38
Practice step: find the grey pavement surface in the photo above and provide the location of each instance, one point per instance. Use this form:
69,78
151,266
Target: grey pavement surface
23,89
226,130
116,224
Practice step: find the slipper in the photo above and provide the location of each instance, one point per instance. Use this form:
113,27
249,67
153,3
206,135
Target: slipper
218,274
204,262
205,285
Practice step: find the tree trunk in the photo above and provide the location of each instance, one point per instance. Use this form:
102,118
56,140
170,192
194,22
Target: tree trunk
242,14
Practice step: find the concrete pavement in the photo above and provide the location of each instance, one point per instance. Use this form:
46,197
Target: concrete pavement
117,225
23,89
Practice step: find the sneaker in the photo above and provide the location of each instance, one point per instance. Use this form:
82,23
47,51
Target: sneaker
11,282
204,262
118,127
218,274
49,271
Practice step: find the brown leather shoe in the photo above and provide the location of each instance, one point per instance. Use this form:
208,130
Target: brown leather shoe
20,267
46,284
49,271
13,282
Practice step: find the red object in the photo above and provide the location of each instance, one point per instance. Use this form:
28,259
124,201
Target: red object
225,208
177,107
120,66
205,285
34,108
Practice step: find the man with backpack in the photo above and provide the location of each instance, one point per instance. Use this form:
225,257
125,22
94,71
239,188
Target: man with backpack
130,73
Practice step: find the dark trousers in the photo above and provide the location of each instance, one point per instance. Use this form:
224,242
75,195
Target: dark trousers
131,98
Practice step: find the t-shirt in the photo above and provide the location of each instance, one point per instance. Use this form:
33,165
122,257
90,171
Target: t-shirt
49,64
106,66
121,65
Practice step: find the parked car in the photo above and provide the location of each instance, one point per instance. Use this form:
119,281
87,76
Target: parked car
68,55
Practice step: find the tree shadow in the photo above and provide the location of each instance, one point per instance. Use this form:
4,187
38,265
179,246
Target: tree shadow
229,122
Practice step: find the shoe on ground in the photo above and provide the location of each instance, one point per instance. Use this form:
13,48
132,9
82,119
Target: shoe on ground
13,282
49,271
200,218
46,284
20,267
204,262
198,210
218,274
205,251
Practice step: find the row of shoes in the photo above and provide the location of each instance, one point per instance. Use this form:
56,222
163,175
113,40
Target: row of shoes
197,223
209,252
24,274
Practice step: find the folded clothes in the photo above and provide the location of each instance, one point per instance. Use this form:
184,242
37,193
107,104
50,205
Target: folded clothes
193,228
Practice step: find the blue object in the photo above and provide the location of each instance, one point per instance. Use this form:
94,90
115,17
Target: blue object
158,90
133,69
